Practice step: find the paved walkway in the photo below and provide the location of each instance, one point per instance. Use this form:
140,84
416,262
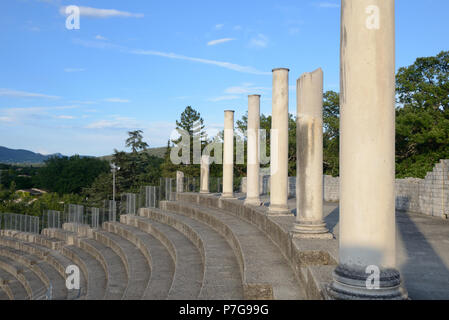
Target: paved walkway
422,250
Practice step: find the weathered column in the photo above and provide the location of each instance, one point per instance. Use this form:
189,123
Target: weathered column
179,181
252,169
204,180
309,157
228,155
367,254
279,143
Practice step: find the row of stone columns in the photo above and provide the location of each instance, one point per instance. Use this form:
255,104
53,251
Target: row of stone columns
367,137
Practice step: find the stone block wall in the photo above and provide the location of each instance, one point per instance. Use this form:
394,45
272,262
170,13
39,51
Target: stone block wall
429,196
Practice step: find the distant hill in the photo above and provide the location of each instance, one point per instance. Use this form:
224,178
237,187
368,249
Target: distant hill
23,156
157,152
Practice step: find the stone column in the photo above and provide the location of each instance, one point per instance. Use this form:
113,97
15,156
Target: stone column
204,180
309,155
179,181
252,170
367,253
228,155
279,143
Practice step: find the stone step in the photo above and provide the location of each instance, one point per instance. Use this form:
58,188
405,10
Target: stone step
28,280
136,265
111,263
96,276
222,278
266,272
45,272
188,276
116,271
17,289
53,258
159,259
5,290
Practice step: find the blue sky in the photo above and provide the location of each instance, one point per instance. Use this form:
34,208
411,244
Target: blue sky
138,64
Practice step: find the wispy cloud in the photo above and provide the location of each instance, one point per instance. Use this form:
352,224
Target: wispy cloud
246,88
24,94
260,41
227,65
74,69
100,37
328,5
103,13
224,98
219,26
218,41
66,117
117,100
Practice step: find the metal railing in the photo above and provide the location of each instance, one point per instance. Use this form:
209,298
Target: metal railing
19,222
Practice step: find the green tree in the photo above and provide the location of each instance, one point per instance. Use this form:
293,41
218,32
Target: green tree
135,141
422,115
331,134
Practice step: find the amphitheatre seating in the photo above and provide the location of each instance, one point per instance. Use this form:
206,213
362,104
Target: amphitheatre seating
197,247
158,257
188,272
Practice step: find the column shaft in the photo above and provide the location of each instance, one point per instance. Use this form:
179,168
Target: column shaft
279,143
309,152
228,155
204,179
367,152
253,164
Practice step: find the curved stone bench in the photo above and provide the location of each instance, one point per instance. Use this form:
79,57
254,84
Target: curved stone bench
5,290
187,279
136,265
112,264
16,289
222,279
52,263
19,274
158,258
266,274
93,271
312,260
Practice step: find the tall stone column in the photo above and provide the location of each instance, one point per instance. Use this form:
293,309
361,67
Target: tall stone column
179,181
279,143
367,254
309,157
204,179
253,164
228,155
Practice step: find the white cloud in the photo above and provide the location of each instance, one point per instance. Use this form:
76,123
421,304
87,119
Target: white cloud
218,41
237,28
117,100
103,13
23,94
246,88
219,26
259,41
227,65
328,5
224,98
100,37
74,69
65,117
6,119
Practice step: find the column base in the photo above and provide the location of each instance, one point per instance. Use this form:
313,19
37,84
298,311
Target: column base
350,284
278,210
204,192
311,231
255,201
228,195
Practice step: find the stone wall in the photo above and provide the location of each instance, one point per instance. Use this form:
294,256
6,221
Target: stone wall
429,196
